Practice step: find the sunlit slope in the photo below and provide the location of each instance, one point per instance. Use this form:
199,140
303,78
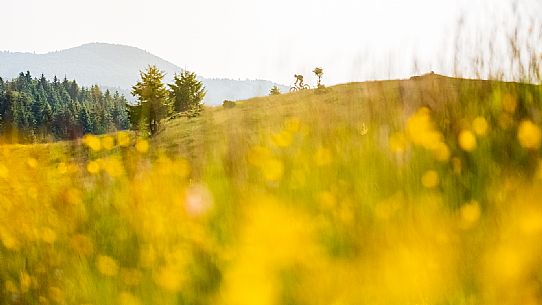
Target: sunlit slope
381,107
422,191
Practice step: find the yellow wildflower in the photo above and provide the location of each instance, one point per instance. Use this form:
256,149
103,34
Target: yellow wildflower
480,126
470,213
92,142
32,162
62,168
113,167
421,130
529,135
93,167
56,294
108,143
467,140
282,139
142,146
123,138
4,172
107,265
48,235
430,179
169,278
272,169
126,298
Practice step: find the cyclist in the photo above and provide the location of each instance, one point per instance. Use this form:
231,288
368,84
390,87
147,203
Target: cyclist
298,79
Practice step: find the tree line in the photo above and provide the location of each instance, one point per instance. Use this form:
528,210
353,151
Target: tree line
37,109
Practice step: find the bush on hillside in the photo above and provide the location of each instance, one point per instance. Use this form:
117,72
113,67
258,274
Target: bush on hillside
228,104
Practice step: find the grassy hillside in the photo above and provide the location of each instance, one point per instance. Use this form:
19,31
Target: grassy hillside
422,191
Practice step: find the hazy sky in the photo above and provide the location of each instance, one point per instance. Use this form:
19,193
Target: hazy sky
351,39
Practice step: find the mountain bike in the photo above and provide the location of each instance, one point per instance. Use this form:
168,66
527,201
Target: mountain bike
299,87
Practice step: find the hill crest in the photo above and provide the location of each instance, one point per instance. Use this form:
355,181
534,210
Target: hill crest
118,66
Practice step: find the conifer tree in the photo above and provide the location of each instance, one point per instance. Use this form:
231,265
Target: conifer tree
274,91
153,98
186,92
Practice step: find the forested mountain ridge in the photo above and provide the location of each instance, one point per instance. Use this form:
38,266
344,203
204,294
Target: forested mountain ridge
118,66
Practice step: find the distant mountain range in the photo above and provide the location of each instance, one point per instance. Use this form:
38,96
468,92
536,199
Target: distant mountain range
117,67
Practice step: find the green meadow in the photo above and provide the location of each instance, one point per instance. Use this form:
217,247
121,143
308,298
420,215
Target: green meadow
419,191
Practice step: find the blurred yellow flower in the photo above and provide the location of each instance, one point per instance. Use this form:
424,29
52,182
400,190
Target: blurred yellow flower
327,200
257,154
480,126
108,143
282,139
421,130
113,167
430,179
467,140
272,169
11,287
126,298
93,167
32,162
142,146
62,168
169,278
93,142
4,172
107,265
529,135
57,295
470,213
48,235
9,240
72,196
123,138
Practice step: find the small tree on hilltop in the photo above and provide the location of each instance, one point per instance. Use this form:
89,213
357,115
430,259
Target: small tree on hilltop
153,99
319,72
186,92
274,91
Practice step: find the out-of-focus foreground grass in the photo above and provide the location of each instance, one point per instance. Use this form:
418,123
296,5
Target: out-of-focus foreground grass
415,192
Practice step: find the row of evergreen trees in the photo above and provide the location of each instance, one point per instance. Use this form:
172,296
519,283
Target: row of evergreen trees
36,109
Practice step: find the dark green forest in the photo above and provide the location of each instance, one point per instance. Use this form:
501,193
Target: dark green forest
37,109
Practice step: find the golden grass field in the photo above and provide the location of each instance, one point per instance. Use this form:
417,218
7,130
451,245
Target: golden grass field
423,191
